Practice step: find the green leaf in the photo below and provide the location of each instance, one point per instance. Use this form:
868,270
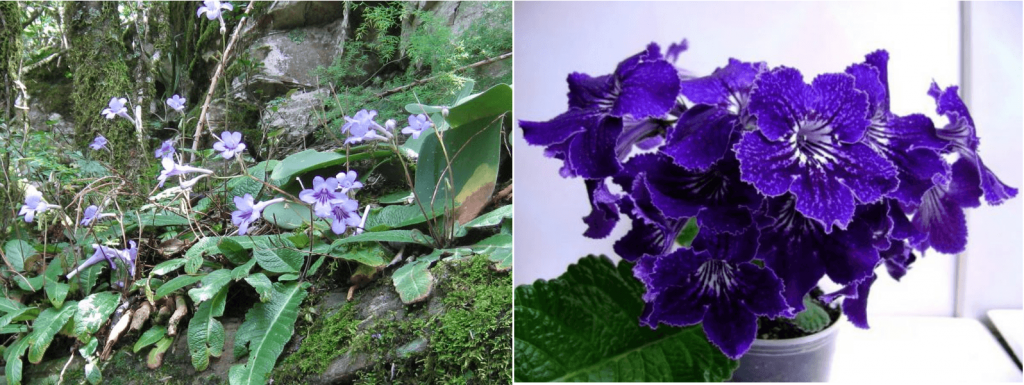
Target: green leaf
90,347
413,281
212,284
56,291
394,198
233,251
175,284
583,326
93,374
267,328
22,314
368,254
158,350
277,255
93,312
167,266
13,356
492,218
86,279
194,255
404,236
493,102
396,216
262,284
813,318
18,251
29,284
498,249
474,150
205,332
47,325
239,186
7,305
689,232
150,337
316,266
243,270
301,162
287,215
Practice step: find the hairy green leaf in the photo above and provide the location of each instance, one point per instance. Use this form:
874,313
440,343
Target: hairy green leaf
18,251
175,284
413,281
243,270
267,328
277,255
212,284
22,314
813,318
498,249
56,291
92,312
13,356
7,305
262,284
492,102
492,218
368,254
395,198
474,151
395,216
157,352
47,325
167,266
405,236
583,326
205,332
287,215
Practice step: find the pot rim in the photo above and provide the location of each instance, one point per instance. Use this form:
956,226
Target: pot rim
822,334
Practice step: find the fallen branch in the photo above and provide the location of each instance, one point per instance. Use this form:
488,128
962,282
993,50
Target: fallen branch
418,82
30,67
213,83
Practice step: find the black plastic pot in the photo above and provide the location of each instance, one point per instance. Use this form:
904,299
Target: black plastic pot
804,359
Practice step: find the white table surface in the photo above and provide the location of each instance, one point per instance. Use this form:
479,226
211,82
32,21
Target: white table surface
907,349
1010,324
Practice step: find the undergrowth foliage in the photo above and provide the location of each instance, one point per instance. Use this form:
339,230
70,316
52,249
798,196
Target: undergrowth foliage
94,259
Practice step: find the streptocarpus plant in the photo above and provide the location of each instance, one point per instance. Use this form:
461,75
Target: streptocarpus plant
789,182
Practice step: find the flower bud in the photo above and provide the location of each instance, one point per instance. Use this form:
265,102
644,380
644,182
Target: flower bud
444,112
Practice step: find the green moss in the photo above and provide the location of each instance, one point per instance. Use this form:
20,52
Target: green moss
323,341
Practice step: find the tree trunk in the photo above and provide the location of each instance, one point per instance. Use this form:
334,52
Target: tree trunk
99,64
10,50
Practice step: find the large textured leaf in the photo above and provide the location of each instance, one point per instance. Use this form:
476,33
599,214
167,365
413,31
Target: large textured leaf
493,102
392,217
211,285
7,305
47,325
167,267
474,150
498,249
404,236
241,185
394,198
205,332
22,314
583,326
368,254
278,255
267,328
175,284
492,218
413,281
262,284
18,251
56,291
309,160
194,255
92,312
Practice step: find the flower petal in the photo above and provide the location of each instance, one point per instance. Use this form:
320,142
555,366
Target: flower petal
592,153
561,128
731,327
844,107
779,100
649,89
701,137
586,92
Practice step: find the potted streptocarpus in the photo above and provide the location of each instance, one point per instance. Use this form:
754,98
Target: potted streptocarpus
788,181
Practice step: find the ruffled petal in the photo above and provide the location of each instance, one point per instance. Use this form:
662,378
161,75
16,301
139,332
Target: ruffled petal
731,327
648,89
841,105
604,212
701,137
561,128
779,100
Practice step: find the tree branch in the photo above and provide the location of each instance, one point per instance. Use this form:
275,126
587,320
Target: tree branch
30,67
213,82
35,15
418,82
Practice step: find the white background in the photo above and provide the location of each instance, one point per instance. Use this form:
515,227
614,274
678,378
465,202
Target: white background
923,40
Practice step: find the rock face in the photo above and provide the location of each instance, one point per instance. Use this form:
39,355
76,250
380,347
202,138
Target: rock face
291,14
290,58
296,116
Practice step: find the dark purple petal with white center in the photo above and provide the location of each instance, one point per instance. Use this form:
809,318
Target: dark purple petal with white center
727,86
648,89
780,100
604,212
731,327
868,79
902,228
592,152
561,128
941,213
768,166
840,106
761,290
680,299
701,137
588,92
646,133
642,239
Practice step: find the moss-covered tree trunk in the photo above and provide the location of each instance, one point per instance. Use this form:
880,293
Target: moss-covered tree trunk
10,36
98,61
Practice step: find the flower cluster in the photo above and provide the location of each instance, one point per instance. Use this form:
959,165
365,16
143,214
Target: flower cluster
329,198
362,127
789,182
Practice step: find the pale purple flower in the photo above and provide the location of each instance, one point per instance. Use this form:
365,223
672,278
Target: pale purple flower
92,214
322,196
34,204
348,181
213,9
344,214
166,150
417,123
360,124
100,253
230,144
171,169
116,107
177,103
98,143
248,212
186,185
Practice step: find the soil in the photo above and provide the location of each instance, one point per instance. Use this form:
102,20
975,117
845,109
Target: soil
783,328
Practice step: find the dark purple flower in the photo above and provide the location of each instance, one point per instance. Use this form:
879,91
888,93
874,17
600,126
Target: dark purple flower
604,210
808,144
728,87
417,123
116,107
344,214
642,86
322,196
177,102
348,181
941,213
674,49
230,144
166,149
98,143
248,212
716,284
855,300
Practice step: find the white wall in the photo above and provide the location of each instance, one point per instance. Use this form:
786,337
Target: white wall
994,253
554,39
